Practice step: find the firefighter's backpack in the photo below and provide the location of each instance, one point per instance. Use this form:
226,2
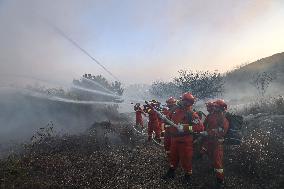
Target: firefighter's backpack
234,134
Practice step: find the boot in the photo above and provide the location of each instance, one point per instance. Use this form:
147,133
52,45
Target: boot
186,179
219,183
170,174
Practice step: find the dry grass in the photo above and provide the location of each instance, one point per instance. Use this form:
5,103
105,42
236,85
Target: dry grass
112,155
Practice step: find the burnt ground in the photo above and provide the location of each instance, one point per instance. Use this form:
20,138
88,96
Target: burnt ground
113,155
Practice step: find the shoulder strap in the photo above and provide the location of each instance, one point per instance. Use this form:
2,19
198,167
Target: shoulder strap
189,116
220,120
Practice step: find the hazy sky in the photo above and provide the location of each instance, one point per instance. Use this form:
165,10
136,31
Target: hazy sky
138,40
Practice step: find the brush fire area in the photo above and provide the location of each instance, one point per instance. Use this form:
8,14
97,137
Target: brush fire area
112,154
141,94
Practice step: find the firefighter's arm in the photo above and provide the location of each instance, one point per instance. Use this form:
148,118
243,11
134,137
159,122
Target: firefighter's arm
197,125
221,131
212,132
205,123
142,112
167,125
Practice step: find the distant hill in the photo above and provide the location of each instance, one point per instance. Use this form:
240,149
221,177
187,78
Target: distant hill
238,80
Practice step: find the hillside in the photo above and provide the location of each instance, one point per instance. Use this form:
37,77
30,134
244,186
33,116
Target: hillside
238,80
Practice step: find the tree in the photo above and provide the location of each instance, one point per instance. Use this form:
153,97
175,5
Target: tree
202,84
261,81
98,82
90,84
117,88
162,89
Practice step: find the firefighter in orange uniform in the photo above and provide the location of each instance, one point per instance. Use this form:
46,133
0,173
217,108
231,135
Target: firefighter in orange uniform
171,105
138,111
210,108
153,123
181,149
160,121
216,127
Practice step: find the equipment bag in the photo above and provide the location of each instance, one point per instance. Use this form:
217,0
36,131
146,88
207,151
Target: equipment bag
234,134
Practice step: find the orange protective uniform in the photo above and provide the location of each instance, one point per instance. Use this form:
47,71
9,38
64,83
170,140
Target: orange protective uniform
139,120
216,126
153,124
167,137
181,147
160,122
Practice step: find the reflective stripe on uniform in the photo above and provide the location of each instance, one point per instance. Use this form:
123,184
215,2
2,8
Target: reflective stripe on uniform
168,152
187,125
220,129
219,170
220,140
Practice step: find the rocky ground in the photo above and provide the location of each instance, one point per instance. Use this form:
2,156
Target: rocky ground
114,155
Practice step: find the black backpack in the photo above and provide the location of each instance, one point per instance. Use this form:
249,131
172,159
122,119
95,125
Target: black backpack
234,134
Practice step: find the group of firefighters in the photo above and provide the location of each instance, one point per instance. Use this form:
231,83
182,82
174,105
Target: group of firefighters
179,139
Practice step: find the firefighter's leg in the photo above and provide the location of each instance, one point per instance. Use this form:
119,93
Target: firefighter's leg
167,144
141,123
137,119
174,158
173,161
186,153
204,147
157,131
150,130
218,165
160,127
210,153
162,130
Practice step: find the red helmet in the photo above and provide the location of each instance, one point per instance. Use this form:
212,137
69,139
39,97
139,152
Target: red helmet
209,106
221,104
136,107
171,101
188,97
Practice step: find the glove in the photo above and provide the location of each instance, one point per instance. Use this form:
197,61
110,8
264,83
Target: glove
195,121
180,128
204,133
166,126
220,129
